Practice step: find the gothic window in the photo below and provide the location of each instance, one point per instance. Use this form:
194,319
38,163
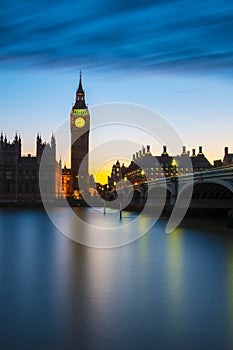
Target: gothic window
8,175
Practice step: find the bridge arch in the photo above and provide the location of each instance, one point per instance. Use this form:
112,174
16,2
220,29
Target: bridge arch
157,195
155,190
209,189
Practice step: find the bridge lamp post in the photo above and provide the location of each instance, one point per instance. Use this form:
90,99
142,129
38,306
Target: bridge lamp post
143,175
173,183
174,171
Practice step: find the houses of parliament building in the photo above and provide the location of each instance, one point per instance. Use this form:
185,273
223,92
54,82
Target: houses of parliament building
19,175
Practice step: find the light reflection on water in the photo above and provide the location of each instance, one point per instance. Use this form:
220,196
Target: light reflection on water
158,292
93,228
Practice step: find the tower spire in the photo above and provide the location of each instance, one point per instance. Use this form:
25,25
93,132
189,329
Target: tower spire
80,95
80,88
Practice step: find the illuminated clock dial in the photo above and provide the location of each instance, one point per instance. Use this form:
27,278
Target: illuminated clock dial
79,122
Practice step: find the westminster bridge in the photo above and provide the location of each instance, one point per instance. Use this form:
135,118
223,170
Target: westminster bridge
206,189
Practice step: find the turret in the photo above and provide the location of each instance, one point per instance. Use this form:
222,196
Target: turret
53,141
38,139
148,149
17,143
39,146
53,146
200,162
164,150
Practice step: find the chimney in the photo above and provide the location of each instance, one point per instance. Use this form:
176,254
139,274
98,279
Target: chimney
140,154
134,158
143,150
226,151
184,149
148,148
136,155
200,149
194,152
164,149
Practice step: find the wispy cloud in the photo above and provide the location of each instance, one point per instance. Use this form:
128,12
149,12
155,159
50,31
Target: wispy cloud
153,35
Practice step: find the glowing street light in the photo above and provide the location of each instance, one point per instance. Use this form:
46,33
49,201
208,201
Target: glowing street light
143,175
174,171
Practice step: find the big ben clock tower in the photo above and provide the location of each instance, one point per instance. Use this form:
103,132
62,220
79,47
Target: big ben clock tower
80,127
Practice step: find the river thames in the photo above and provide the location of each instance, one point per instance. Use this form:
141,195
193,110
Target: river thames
162,291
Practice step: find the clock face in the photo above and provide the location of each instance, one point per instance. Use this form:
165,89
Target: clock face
79,122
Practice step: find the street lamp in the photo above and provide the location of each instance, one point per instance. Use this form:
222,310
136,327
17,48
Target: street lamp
143,175
174,164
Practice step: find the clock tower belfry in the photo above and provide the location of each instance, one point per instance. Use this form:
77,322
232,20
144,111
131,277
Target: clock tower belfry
80,127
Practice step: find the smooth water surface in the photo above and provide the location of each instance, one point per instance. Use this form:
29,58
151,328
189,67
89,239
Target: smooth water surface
159,292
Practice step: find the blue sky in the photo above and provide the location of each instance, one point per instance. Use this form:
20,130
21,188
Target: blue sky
173,56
